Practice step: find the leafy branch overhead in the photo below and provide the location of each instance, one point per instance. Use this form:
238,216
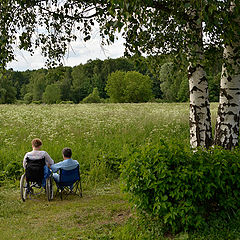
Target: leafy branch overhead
150,27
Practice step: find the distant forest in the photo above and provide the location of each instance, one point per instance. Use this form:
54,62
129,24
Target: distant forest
167,74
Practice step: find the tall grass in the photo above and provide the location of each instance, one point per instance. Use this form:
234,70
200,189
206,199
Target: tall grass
95,132
100,136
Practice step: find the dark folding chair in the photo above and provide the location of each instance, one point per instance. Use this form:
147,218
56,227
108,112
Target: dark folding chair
70,182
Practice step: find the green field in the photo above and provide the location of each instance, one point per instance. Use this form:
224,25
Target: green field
96,132
101,136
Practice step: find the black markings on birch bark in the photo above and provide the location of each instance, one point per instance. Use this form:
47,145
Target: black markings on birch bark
227,125
200,117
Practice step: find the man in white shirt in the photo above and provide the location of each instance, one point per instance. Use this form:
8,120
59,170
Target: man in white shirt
36,154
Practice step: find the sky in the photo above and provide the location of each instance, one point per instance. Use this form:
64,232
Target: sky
79,52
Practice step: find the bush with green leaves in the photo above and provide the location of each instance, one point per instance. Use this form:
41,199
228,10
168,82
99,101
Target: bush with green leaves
2,178
7,90
129,87
66,102
52,94
13,170
92,97
37,102
112,161
28,97
180,187
214,86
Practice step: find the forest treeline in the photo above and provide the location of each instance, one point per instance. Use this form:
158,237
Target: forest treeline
167,78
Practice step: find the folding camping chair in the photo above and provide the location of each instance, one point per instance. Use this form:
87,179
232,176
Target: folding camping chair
31,180
70,182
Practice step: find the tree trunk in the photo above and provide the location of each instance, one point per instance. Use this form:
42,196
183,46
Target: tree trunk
227,125
200,117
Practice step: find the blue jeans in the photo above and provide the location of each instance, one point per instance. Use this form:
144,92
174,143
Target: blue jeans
47,173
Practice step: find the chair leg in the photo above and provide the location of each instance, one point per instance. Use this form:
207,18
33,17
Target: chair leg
80,188
80,181
66,190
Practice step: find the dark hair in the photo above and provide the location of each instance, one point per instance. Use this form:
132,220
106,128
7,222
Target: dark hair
67,152
36,142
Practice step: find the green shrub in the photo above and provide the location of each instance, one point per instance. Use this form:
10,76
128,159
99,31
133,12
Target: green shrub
129,87
20,102
105,168
66,102
2,178
180,187
52,94
13,170
92,97
112,161
28,97
37,102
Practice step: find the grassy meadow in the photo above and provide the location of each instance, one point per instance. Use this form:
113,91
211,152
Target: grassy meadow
96,132
101,136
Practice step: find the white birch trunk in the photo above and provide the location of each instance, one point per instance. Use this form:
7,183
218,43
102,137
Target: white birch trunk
200,117
227,125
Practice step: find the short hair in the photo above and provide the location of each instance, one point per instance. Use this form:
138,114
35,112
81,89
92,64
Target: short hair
67,152
36,142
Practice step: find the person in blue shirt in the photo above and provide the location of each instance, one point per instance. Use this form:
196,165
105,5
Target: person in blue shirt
67,164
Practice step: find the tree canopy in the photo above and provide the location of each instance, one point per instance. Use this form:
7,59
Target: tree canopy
76,83
129,87
150,27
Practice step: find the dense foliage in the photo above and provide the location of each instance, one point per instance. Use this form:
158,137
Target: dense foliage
129,87
61,84
92,97
173,83
7,90
156,26
180,187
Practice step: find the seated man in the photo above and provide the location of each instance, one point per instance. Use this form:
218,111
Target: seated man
67,164
36,154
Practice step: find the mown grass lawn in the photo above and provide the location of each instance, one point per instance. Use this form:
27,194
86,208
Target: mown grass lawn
102,213
95,216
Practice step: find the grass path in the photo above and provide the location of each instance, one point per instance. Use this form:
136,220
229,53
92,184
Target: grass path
100,214
94,216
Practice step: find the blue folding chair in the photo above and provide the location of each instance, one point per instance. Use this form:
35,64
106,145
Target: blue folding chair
70,182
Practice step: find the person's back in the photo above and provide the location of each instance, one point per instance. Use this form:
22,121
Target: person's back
37,154
67,164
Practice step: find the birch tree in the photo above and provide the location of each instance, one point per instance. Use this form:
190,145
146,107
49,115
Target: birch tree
187,19
151,27
200,118
227,125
